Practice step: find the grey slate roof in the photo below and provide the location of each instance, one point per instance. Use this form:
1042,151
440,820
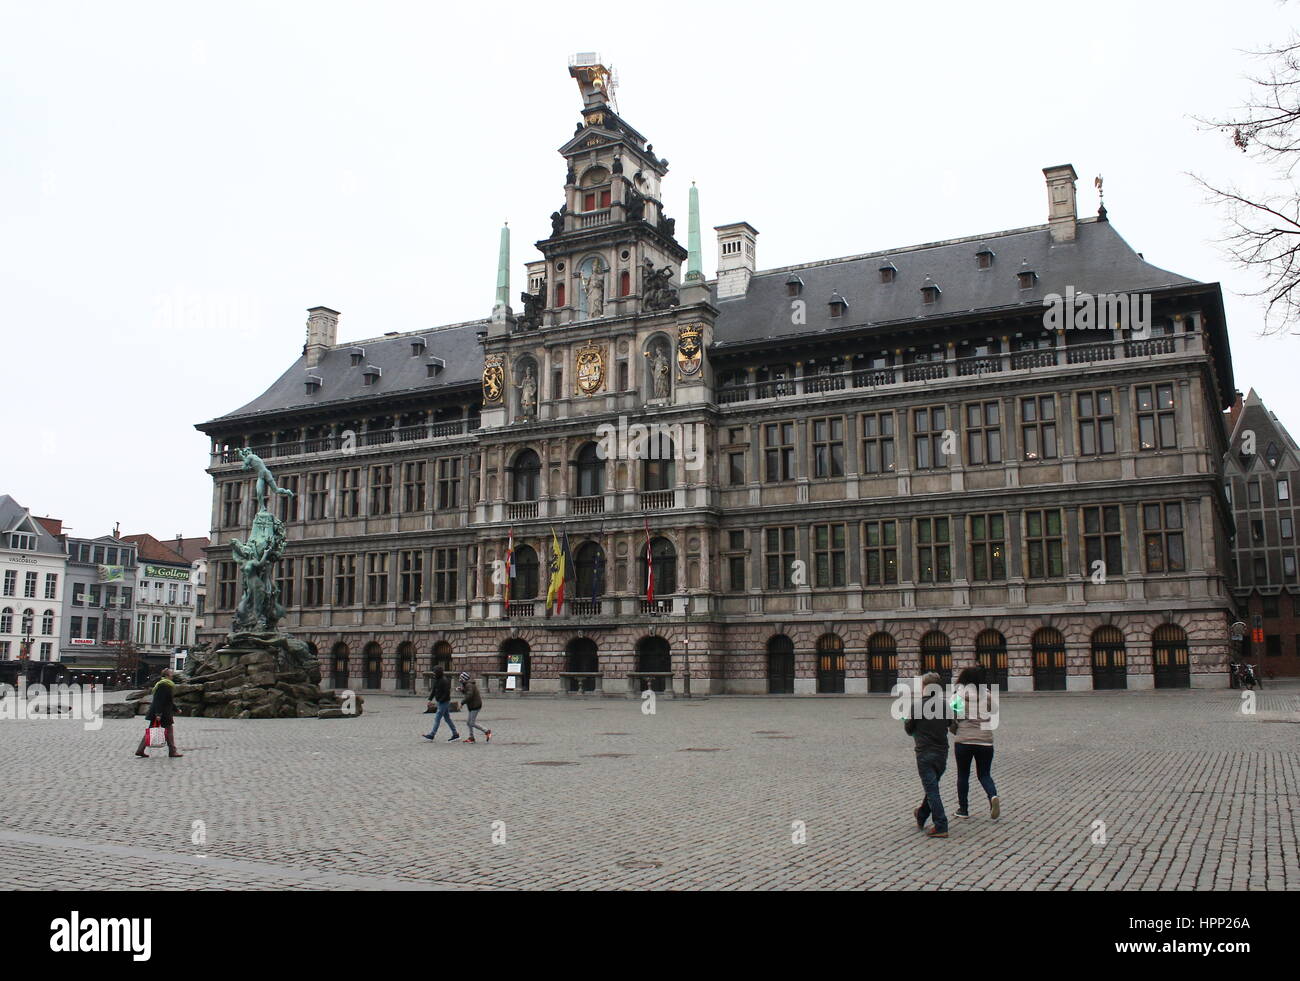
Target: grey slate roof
341,381
1097,261
13,514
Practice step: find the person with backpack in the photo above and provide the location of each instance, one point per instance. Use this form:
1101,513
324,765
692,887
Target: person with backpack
162,711
929,724
974,740
473,702
441,697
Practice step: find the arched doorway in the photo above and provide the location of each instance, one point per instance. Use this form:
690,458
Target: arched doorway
582,655
374,658
1049,660
991,655
653,654
339,671
405,666
1169,658
516,658
830,665
936,655
1109,659
780,665
882,663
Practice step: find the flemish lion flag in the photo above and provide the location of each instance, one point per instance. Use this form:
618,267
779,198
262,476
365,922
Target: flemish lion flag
649,567
555,592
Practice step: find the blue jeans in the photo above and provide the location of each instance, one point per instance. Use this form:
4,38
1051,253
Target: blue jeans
444,712
931,767
983,757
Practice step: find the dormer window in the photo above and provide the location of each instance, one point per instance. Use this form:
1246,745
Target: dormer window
888,272
930,291
984,258
313,384
793,285
1026,277
1271,455
358,355
434,367
418,345
372,374
838,305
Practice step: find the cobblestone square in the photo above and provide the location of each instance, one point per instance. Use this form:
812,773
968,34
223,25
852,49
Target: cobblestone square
587,792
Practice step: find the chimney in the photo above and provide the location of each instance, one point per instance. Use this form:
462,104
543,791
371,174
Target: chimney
322,333
736,258
1062,215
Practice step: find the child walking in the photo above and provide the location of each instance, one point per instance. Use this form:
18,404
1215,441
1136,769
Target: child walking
473,703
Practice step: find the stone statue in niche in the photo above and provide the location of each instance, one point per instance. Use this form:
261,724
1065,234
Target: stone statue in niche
594,286
528,394
656,292
660,372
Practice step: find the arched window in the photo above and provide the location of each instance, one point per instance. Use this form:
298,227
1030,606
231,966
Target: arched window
339,657
374,655
1109,659
582,657
590,571
442,655
624,283
47,623
991,655
664,559
659,471
1169,657
780,665
830,664
1049,660
29,620
526,482
882,662
7,621
525,582
591,471
936,655
405,666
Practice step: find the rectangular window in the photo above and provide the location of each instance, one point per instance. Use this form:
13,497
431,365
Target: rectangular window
78,593
345,580
828,447
1284,490
1096,423
231,499
988,544
829,555
99,555
227,597
933,550
1252,493
1273,645
381,489
983,433
1288,568
734,449
737,555
289,505
29,585
94,595
109,624
155,629
1155,413
318,486
169,630
285,579
11,582
1288,530
51,585
74,627
779,556
448,483
376,578
445,563
1044,544
140,623
880,553
126,595
171,594
878,442
184,638
778,451
1102,543
313,580
928,428
349,492
413,486
411,575
1038,427
1162,536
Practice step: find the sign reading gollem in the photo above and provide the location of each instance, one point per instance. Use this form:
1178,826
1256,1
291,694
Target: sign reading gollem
690,355
494,379
167,572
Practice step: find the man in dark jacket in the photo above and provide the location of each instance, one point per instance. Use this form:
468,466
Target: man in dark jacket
929,727
441,696
162,710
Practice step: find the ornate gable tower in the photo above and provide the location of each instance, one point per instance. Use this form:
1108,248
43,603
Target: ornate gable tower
613,331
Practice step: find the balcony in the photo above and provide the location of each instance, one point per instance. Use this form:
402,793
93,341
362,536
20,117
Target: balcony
584,608
655,608
587,505
594,218
522,511
521,610
657,500
403,436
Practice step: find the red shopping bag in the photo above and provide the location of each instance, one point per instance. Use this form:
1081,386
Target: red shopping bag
157,736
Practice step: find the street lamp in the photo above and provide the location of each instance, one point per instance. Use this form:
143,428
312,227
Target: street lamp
410,670
686,679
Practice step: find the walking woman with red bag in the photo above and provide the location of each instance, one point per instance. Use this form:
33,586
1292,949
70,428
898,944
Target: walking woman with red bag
161,713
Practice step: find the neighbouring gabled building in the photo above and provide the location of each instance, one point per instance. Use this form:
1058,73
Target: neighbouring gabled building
33,570
164,602
1261,468
906,459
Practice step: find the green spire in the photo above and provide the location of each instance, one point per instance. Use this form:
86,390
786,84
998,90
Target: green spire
503,269
693,273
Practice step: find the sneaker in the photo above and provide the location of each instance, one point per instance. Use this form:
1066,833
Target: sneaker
919,822
142,753
995,808
453,737
471,739
963,814
936,833
427,736
488,737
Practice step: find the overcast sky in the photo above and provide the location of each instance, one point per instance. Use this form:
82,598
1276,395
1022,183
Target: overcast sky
179,182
